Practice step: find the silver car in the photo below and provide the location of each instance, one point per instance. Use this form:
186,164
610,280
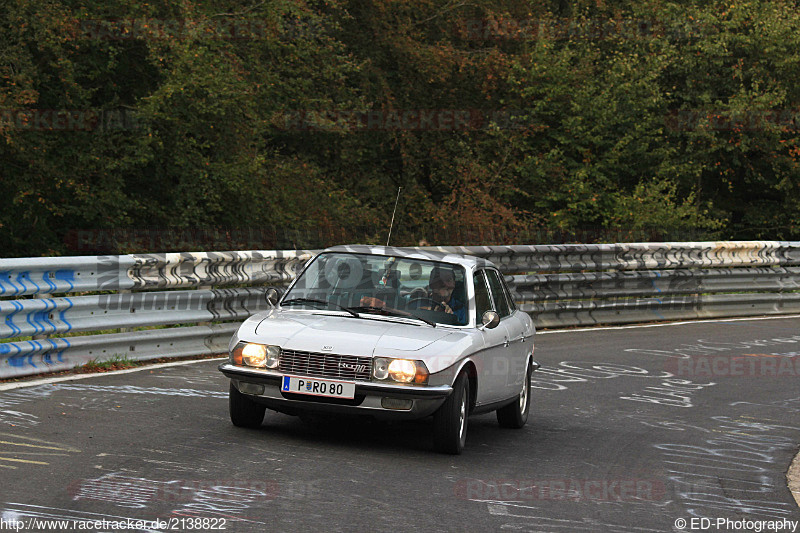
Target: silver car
390,333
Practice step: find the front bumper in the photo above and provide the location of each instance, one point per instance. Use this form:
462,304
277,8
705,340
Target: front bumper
369,396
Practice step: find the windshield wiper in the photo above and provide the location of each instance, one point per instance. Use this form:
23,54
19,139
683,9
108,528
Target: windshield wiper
392,312
291,301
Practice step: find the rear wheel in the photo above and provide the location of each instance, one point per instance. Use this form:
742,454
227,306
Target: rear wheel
245,413
515,414
450,421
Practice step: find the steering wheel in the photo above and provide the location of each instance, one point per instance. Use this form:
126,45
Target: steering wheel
419,292
414,303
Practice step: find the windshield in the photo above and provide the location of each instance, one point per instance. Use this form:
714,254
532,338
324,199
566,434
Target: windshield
393,286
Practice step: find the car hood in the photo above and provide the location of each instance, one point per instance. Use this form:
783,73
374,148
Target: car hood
346,335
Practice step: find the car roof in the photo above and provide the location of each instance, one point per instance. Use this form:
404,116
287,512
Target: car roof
428,254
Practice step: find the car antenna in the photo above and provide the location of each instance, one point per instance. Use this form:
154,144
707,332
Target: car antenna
393,212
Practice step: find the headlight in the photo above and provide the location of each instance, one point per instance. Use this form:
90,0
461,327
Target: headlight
380,368
257,355
254,354
400,370
273,356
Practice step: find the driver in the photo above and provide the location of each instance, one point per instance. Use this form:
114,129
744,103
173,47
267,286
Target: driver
441,285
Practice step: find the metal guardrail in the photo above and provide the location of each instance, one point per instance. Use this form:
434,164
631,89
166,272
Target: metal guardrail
196,300
52,316
587,284
43,333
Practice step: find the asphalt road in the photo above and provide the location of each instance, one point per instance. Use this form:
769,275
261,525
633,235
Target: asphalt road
631,430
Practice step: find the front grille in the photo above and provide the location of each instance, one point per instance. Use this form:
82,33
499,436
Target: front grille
325,365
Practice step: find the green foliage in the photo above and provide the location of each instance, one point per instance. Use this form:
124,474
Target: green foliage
658,201
690,108
629,117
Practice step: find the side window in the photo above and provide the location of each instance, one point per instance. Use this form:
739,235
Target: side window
482,301
511,303
498,294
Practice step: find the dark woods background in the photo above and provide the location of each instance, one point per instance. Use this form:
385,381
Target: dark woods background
131,127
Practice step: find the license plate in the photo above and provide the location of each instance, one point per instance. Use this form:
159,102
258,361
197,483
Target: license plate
318,387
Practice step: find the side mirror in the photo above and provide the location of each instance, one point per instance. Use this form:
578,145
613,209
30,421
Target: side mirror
490,319
272,296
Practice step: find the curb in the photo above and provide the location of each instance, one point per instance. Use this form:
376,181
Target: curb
73,377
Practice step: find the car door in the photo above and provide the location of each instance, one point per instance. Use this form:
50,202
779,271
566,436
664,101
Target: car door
522,343
514,354
492,361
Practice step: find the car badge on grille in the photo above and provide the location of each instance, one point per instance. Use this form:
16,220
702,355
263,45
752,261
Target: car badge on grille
354,367
327,348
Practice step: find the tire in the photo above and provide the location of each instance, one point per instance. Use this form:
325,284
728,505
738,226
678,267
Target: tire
450,421
515,414
245,413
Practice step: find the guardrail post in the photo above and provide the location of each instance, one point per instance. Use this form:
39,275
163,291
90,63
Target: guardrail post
125,291
204,286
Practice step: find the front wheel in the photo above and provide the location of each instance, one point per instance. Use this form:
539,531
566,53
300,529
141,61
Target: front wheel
450,421
245,413
515,414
